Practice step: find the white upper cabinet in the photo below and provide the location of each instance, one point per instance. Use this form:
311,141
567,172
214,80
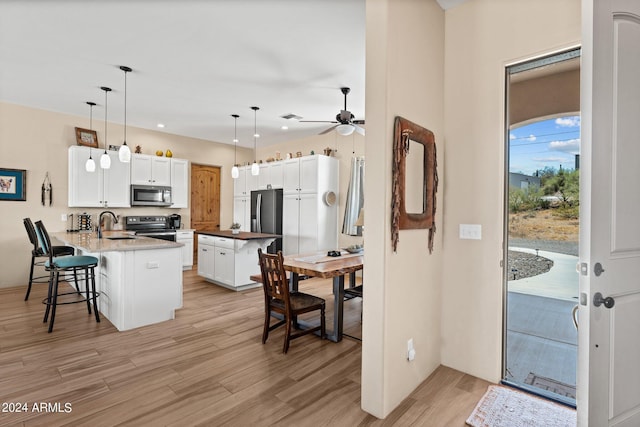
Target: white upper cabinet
245,183
291,176
264,178
271,175
101,188
150,170
179,183
117,183
307,174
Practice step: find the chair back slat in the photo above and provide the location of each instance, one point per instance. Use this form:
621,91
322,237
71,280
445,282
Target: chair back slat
274,278
44,240
33,236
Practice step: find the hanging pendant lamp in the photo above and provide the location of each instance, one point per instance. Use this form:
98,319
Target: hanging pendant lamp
90,165
255,169
105,160
124,153
235,173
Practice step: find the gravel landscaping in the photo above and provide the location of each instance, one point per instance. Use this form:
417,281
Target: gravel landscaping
524,264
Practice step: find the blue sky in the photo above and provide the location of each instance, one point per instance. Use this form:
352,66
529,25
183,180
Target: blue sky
551,142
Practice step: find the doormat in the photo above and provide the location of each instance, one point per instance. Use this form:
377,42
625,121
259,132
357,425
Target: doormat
505,407
551,385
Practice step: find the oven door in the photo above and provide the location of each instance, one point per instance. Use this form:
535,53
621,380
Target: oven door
163,235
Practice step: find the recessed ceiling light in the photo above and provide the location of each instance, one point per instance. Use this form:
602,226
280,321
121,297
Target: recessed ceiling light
160,125
284,127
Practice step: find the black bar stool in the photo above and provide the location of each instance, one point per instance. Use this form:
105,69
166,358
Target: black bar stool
37,252
55,265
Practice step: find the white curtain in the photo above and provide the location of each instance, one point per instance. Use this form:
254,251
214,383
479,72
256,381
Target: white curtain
355,198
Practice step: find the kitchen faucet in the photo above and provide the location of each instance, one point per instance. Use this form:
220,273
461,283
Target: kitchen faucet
115,221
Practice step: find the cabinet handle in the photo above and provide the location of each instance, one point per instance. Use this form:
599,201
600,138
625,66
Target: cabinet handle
204,250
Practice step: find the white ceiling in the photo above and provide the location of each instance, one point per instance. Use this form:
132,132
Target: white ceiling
194,62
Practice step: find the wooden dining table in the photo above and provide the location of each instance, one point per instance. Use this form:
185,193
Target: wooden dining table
320,265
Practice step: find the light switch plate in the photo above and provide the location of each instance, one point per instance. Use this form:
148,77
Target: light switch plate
471,231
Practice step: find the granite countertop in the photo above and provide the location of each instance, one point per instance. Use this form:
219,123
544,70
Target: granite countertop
243,235
89,242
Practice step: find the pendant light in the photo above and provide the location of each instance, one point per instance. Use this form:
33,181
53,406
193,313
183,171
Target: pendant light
105,160
90,166
235,173
255,169
124,153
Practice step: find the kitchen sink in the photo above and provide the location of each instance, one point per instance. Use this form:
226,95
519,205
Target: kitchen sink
121,238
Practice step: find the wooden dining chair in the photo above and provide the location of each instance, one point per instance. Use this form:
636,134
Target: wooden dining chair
278,299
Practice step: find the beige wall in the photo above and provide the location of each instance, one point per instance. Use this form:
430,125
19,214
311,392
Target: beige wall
38,140
548,96
405,57
482,36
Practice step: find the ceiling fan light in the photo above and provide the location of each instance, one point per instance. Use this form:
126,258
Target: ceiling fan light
235,172
90,166
105,161
255,169
345,130
124,153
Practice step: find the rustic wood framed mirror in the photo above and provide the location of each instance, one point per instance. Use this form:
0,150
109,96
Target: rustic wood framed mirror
415,179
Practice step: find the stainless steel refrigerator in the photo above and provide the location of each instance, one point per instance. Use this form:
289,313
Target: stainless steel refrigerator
266,215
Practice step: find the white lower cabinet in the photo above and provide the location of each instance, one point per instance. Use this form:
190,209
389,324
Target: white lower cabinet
206,254
224,261
186,238
229,262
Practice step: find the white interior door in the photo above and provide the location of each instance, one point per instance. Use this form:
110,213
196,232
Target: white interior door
609,344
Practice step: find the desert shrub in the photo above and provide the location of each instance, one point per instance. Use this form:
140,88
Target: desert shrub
526,199
567,212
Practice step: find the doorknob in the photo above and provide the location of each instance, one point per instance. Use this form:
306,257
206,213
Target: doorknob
598,300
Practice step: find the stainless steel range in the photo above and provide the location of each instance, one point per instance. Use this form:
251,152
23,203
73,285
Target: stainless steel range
151,226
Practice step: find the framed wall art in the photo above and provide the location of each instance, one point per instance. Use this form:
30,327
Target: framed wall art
13,184
415,179
87,137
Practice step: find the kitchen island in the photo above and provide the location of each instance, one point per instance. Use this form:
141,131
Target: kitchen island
228,259
139,278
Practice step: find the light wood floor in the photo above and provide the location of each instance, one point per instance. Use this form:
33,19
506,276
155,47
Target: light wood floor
207,367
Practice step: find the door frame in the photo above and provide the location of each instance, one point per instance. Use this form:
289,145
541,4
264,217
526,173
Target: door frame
533,62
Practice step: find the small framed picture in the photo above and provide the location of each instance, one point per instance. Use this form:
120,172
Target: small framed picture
87,137
13,184
114,147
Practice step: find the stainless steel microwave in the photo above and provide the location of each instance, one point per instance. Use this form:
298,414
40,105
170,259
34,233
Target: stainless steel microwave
150,195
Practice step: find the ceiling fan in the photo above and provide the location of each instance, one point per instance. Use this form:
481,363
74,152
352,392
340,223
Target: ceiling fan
345,125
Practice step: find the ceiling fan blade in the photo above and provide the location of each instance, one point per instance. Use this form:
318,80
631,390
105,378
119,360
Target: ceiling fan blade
328,130
317,121
359,129
358,122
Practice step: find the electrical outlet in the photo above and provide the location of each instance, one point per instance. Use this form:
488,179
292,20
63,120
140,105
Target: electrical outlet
411,352
63,217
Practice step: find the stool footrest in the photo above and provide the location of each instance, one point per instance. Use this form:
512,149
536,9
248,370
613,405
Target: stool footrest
47,300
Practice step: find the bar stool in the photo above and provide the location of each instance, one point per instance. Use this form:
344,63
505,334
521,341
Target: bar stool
55,265
37,252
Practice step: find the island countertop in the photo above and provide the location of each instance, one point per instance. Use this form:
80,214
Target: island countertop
243,235
112,241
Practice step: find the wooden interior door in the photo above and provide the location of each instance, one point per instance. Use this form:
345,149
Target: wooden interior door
205,201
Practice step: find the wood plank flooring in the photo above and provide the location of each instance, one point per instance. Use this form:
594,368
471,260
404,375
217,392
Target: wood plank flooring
207,367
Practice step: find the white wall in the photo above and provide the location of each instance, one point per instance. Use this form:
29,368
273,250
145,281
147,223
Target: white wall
38,140
405,57
482,36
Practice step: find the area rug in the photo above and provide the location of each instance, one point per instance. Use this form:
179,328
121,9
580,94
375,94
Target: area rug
506,407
